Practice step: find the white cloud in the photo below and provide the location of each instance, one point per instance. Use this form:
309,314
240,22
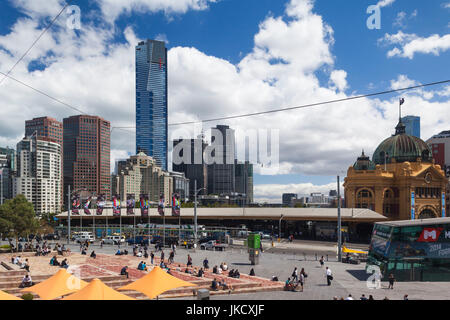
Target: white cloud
338,79
162,37
384,3
402,82
411,44
400,20
112,9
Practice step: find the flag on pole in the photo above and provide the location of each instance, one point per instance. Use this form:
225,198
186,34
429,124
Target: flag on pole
161,205
76,205
100,204
130,204
175,205
116,206
86,206
144,205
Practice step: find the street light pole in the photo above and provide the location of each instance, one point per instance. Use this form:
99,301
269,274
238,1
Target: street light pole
195,210
339,222
279,228
68,216
1,186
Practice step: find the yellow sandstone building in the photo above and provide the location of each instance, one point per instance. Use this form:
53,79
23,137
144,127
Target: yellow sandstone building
401,181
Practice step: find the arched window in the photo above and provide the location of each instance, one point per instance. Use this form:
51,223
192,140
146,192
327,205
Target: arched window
427,214
365,199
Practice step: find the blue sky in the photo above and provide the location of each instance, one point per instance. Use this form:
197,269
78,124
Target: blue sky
229,33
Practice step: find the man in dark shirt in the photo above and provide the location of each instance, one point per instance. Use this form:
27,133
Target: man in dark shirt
214,284
124,271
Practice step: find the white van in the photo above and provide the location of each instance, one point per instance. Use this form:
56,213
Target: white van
113,240
84,236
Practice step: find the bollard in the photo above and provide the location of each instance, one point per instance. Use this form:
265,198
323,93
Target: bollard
316,256
327,257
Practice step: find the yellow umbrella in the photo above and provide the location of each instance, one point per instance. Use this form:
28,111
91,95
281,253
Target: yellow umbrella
345,250
97,290
7,296
156,282
60,284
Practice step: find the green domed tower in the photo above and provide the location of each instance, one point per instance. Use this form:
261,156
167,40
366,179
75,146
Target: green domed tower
402,148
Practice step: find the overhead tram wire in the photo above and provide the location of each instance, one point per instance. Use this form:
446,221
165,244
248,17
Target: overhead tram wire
43,93
248,114
35,41
57,100
304,106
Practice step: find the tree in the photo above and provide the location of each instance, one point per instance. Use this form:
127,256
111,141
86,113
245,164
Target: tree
48,222
20,217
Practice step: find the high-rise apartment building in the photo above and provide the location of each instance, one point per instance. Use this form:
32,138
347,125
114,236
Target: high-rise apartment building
151,101
412,124
48,129
440,146
193,164
45,127
244,180
221,161
180,185
38,175
87,146
7,169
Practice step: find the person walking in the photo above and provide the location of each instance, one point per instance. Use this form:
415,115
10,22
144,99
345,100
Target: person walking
391,281
295,274
189,260
321,262
329,275
301,281
162,256
152,256
305,275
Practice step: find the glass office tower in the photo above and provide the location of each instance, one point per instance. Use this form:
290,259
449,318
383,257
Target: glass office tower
412,124
151,100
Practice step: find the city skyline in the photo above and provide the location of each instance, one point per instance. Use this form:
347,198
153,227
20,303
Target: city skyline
251,73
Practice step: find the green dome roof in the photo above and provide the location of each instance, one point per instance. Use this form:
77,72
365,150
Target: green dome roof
363,163
402,148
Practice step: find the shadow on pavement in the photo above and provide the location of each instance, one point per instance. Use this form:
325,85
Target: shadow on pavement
361,275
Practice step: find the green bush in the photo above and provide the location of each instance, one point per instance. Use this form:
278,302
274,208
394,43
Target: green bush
28,296
6,246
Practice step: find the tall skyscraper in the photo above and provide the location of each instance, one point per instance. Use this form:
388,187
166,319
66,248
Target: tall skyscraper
195,169
221,173
87,146
412,124
151,100
38,175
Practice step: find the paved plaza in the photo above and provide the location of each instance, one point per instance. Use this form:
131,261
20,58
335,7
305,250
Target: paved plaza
348,279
